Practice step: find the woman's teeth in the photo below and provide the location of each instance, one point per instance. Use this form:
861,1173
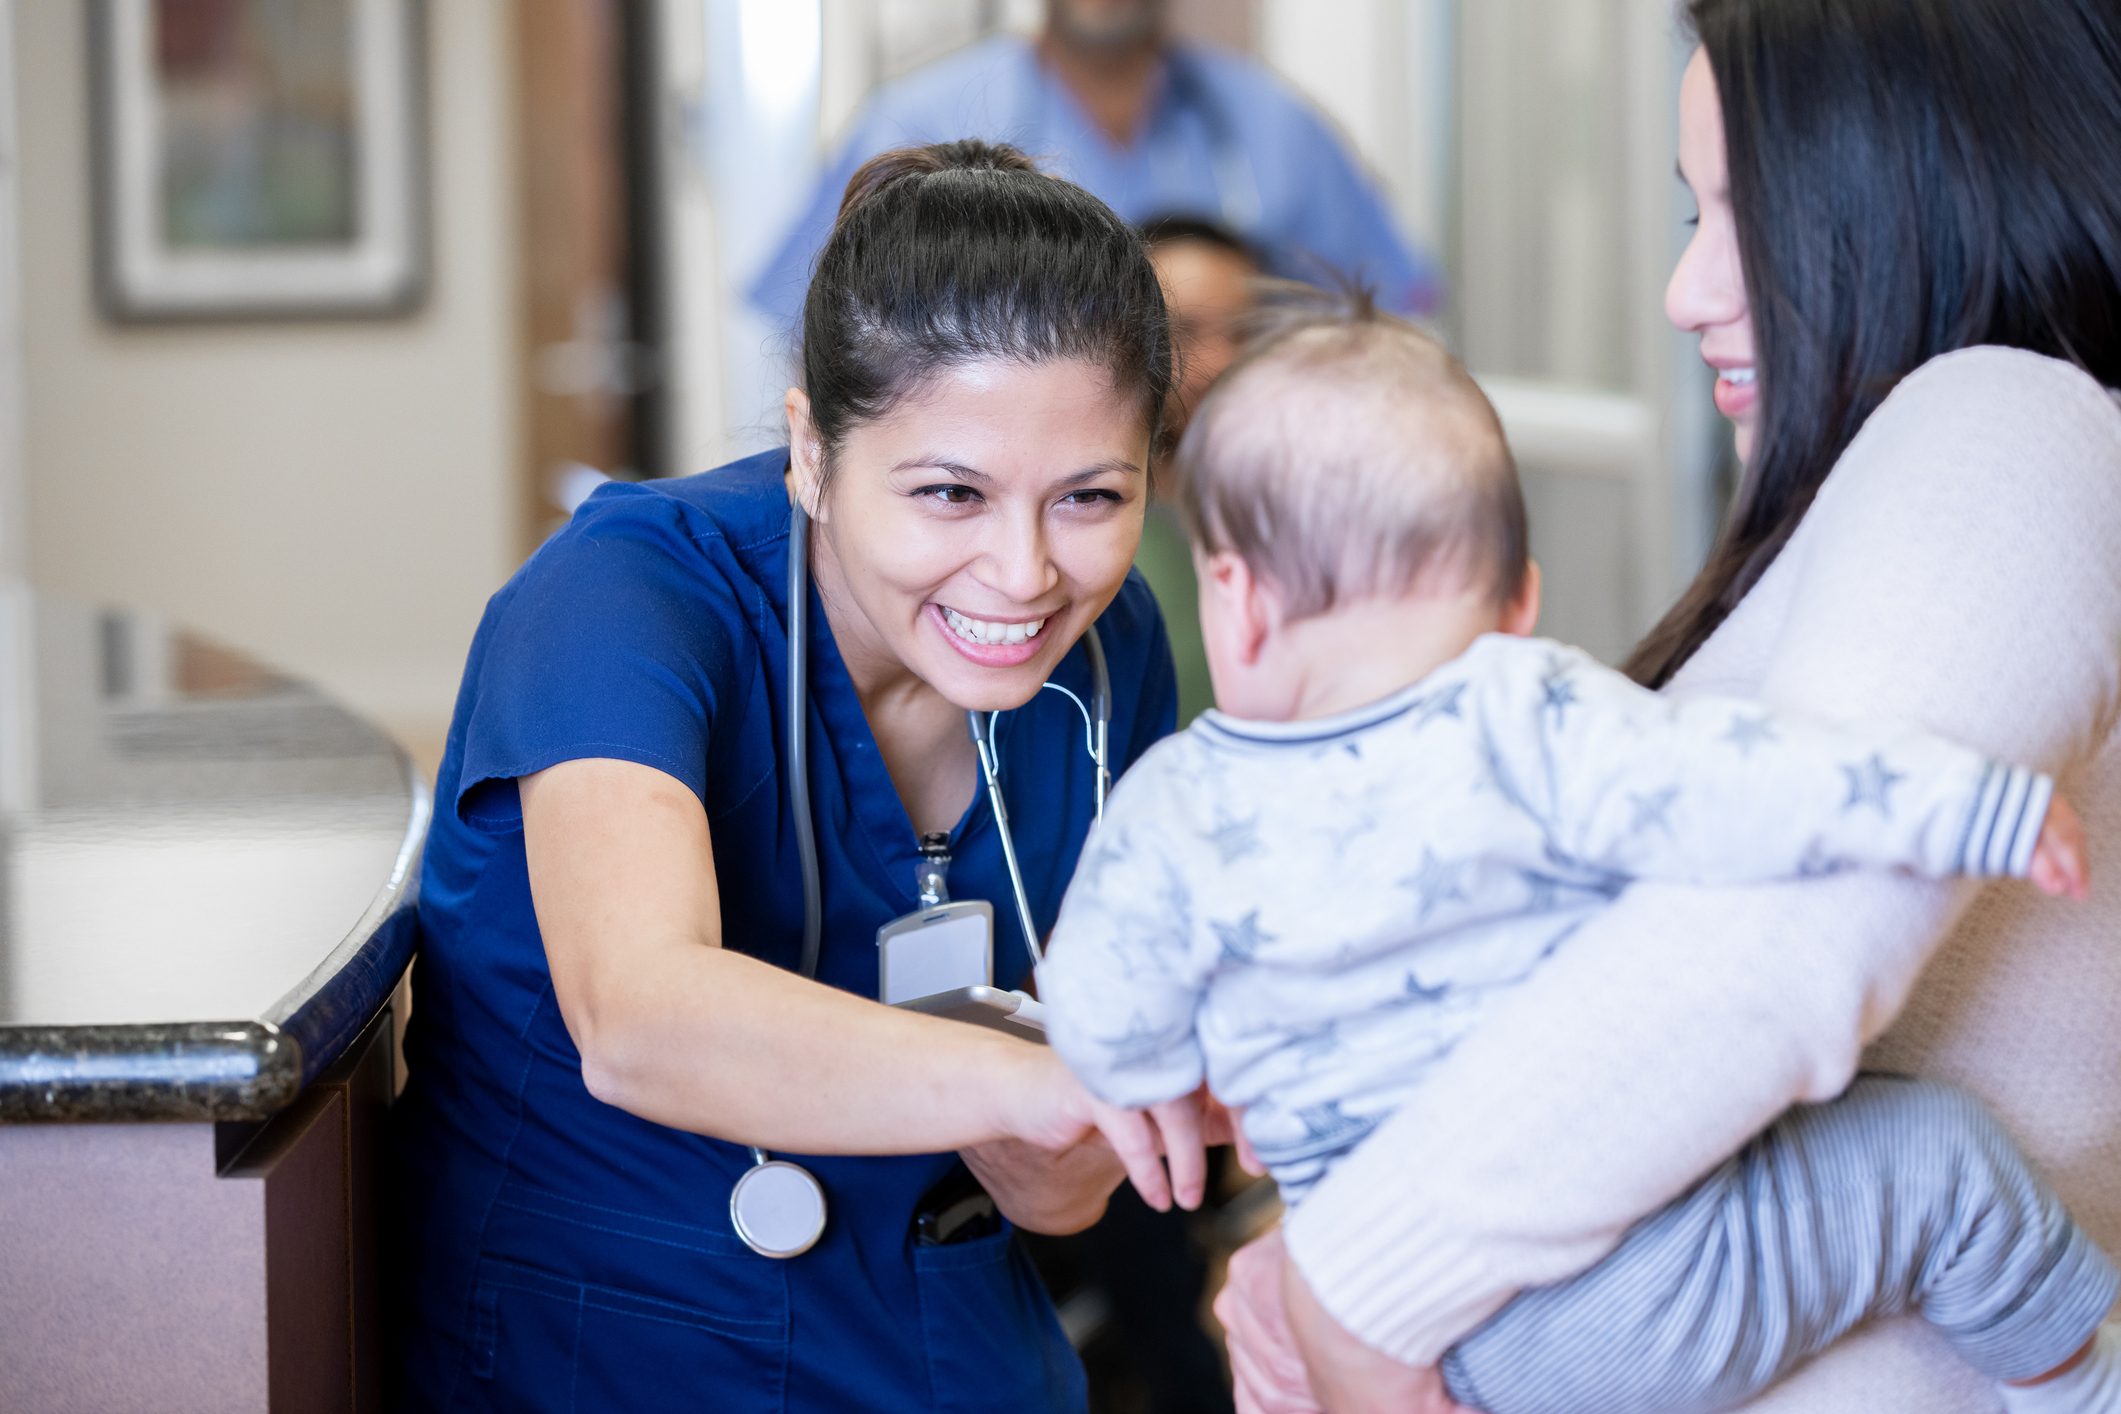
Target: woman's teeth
981,631
1739,377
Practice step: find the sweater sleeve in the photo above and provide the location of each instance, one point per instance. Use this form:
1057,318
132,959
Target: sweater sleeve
1959,574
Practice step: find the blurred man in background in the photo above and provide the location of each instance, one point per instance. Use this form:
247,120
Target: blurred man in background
1104,96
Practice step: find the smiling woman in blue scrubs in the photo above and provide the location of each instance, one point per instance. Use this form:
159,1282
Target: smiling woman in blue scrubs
610,1003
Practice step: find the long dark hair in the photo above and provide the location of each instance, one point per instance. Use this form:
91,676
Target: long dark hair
964,250
1909,177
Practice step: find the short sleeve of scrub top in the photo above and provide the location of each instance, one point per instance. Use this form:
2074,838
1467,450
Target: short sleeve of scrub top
607,648
544,1240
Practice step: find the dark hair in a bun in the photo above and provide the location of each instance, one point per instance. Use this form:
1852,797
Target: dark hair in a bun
964,250
966,155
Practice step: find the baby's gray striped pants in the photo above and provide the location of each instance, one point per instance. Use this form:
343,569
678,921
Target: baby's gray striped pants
1900,1196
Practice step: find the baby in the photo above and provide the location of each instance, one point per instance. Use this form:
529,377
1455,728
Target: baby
1405,805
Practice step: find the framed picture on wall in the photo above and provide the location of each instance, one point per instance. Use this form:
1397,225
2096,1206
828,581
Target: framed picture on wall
258,158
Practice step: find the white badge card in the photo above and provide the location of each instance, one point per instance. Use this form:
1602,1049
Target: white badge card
938,949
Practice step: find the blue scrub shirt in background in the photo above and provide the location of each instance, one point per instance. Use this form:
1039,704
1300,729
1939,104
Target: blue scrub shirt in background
554,1252
1299,196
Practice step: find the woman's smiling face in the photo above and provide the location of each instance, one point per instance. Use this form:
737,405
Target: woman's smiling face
1707,295
973,533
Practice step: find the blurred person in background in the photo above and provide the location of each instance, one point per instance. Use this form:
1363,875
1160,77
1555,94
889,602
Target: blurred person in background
1207,271
1105,97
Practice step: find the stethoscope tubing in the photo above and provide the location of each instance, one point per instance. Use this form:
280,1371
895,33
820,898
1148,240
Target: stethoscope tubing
982,726
799,735
1097,719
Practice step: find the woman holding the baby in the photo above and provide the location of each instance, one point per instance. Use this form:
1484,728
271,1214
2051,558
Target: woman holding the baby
1907,273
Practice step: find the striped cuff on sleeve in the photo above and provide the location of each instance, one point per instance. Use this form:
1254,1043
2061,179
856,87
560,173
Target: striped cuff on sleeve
2009,812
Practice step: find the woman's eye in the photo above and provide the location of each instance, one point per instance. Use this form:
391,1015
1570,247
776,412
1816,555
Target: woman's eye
950,493
1091,498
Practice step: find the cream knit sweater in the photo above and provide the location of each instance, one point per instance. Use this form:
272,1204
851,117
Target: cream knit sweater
1961,570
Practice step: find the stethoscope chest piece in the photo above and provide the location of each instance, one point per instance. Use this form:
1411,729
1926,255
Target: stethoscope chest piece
777,1208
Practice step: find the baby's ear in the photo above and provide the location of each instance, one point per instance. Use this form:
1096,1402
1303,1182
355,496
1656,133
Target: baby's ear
1237,607
1221,568
1521,615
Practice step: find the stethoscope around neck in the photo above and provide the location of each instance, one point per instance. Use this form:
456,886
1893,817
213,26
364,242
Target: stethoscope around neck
778,1208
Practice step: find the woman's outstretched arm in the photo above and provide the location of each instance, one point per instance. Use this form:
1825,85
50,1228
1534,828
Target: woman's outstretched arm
1958,574
675,1028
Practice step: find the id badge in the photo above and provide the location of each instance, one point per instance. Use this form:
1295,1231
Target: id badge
937,949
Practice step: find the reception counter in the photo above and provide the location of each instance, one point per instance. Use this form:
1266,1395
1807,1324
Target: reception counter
205,873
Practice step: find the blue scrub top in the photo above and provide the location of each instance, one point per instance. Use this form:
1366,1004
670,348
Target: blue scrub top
554,1252
1221,120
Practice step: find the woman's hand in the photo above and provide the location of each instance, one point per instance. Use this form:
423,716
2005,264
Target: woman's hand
1288,1356
1051,1172
1067,1149
1347,1376
1052,1191
1266,1366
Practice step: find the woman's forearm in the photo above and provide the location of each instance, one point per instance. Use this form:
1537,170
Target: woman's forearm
675,1028
726,1045
704,1039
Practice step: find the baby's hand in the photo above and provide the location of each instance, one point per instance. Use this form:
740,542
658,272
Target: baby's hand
2058,859
1146,1139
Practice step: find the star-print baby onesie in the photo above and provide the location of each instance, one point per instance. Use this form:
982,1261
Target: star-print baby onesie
1310,914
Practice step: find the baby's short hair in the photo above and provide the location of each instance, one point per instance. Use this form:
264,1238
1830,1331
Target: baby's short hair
1345,456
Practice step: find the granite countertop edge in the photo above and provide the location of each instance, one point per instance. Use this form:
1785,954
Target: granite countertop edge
195,1070
240,1069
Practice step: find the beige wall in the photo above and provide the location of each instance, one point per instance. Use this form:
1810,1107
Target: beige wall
14,535
338,497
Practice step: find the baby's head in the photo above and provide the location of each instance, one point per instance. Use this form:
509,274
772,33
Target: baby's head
1355,512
